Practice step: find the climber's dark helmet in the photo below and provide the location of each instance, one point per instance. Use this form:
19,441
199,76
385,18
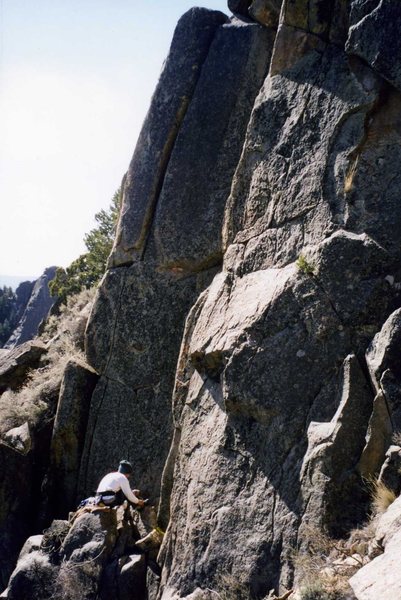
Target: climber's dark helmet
125,467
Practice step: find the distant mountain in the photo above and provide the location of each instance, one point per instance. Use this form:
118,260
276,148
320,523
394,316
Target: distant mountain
13,281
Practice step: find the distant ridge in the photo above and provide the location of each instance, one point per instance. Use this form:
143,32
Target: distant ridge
13,281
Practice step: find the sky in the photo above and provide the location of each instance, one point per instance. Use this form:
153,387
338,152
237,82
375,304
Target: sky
76,78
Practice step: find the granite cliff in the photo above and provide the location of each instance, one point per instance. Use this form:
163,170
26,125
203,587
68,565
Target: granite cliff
243,347
33,303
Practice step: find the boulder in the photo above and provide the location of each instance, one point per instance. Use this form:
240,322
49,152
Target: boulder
33,578
85,553
125,578
92,535
374,37
92,556
52,539
16,364
32,544
38,307
132,578
19,438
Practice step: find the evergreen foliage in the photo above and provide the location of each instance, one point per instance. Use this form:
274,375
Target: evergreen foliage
87,270
7,313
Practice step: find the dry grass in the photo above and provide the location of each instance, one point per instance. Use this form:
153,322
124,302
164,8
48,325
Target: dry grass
321,568
360,538
73,584
229,587
36,401
327,585
382,497
350,175
65,322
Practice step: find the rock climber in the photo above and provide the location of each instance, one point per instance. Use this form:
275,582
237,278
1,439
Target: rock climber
114,488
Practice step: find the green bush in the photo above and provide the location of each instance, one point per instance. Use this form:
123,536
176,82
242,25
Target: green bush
305,266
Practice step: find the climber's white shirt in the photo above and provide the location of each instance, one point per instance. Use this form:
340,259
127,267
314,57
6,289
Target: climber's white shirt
117,481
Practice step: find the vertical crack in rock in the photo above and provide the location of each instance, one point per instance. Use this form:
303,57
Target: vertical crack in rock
191,42
89,437
115,316
164,161
217,117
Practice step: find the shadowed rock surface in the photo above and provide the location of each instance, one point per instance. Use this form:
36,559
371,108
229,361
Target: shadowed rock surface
23,293
68,437
40,302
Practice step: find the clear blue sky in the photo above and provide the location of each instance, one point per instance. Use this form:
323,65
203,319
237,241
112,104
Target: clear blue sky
76,77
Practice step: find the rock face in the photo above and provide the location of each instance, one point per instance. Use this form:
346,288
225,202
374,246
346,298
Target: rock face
16,513
192,38
258,246
23,294
275,402
274,415
40,302
170,230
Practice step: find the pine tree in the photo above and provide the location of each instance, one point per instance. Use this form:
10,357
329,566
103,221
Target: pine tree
7,313
88,269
